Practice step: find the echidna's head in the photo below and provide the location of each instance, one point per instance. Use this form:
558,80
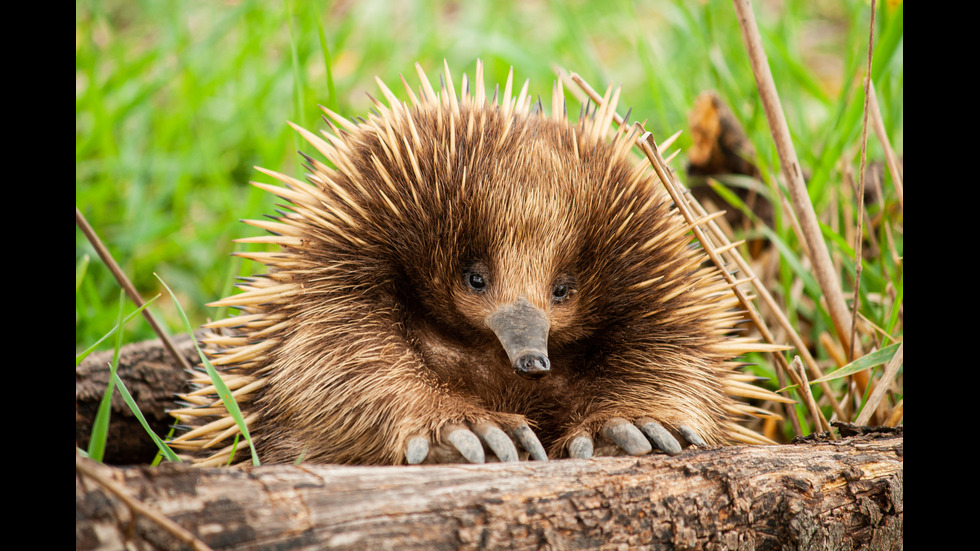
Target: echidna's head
489,221
518,240
492,252
514,270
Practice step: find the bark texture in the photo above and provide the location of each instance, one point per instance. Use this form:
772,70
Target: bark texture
152,376
812,494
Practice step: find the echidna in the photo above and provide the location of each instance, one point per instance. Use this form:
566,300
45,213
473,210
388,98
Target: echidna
468,278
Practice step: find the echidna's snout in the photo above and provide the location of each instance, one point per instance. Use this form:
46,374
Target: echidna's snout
533,366
522,329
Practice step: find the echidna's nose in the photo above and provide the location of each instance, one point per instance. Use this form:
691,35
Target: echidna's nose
522,329
533,366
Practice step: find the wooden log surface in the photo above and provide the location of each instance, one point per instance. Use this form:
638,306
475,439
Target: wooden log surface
153,378
812,494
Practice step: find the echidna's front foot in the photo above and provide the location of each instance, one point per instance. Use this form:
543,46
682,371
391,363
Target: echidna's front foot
471,443
637,438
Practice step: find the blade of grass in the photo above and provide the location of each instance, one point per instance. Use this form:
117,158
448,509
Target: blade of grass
867,361
80,270
891,370
128,398
896,306
219,384
89,350
159,456
100,428
332,101
234,448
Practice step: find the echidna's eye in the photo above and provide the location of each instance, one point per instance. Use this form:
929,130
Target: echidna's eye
476,282
559,292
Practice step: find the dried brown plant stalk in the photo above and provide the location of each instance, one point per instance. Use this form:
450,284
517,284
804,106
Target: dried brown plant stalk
894,167
811,404
859,234
666,177
824,270
124,282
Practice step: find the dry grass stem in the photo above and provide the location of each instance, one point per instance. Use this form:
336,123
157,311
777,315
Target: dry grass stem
811,405
833,350
692,210
763,294
859,234
793,222
874,248
894,167
824,270
120,276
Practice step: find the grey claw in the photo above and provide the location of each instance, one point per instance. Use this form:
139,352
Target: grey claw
529,441
659,436
691,436
497,440
580,447
625,435
417,450
467,443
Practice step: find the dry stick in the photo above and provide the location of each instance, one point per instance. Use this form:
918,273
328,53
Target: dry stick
793,222
137,507
673,188
893,166
783,368
767,299
824,269
891,370
649,148
764,295
719,235
849,180
797,367
744,267
106,257
859,237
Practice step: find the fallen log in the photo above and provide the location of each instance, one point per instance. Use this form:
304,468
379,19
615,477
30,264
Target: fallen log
812,494
154,379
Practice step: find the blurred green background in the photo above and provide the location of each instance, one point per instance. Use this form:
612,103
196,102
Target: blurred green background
176,102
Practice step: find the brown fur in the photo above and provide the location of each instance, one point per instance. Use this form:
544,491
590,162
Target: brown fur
365,333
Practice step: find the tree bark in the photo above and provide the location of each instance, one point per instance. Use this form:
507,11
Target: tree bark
812,494
152,376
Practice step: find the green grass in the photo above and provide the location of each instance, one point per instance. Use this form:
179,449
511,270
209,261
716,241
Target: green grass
176,102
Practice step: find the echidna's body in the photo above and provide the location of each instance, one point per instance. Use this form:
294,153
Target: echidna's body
459,251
